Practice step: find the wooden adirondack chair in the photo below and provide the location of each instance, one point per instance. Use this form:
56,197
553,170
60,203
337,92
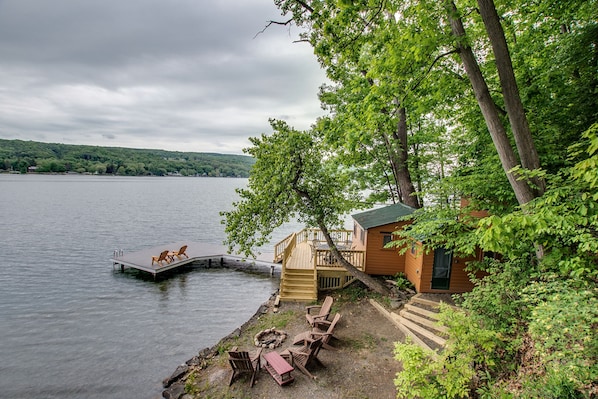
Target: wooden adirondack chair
317,332
242,363
180,253
163,257
315,319
304,356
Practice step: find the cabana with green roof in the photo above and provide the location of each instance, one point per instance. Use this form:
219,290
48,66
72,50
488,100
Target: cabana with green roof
437,271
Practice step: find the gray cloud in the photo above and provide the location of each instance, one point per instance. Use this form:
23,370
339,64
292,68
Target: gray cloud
181,75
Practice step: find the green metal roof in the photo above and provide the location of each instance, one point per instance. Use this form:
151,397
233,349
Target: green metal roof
381,216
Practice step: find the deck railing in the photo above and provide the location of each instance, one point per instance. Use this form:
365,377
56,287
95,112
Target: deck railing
328,272
287,252
343,238
325,259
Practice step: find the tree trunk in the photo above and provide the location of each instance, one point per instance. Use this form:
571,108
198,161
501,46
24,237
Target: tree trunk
515,111
368,280
403,176
521,188
397,156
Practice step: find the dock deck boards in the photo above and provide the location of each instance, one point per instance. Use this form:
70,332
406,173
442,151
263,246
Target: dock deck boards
142,259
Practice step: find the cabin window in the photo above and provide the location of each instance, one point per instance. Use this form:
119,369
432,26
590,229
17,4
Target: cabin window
362,235
386,238
413,248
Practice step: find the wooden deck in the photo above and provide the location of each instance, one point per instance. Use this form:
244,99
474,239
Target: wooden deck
308,264
142,260
301,257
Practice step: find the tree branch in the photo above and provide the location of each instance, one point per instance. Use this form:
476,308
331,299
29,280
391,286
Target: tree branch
454,51
270,23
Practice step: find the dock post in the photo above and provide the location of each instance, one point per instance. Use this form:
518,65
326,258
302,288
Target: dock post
221,261
271,270
210,262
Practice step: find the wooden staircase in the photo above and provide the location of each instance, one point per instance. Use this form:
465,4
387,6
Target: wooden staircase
299,285
419,320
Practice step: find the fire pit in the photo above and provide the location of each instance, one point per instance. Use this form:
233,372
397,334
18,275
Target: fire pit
270,338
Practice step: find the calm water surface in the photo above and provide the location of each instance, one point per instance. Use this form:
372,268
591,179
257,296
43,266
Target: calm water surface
70,326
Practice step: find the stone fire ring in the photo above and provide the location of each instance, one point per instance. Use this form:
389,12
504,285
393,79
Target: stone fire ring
270,338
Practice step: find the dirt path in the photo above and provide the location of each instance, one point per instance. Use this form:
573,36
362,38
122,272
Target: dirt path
363,367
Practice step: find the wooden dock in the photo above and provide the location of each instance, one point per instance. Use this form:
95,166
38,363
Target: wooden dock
196,251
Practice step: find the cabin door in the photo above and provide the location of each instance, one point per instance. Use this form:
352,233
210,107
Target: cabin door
441,271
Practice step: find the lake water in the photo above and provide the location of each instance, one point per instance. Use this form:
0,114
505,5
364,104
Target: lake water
71,326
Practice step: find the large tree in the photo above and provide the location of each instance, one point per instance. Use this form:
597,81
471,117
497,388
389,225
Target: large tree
294,177
371,119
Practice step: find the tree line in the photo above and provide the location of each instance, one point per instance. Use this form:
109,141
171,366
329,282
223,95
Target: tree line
434,101
36,157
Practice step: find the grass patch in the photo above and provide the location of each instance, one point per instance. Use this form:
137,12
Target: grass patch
366,341
276,320
353,293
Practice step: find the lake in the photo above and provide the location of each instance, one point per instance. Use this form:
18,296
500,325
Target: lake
71,326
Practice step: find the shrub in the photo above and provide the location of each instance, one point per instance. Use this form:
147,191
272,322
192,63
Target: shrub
468,354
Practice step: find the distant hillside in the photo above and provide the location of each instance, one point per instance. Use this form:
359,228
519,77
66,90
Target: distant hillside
35,157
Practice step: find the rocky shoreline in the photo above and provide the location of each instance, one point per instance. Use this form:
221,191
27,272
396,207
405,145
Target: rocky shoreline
174,385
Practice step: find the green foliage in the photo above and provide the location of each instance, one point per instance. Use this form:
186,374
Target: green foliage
294,177
376,63
496,299
353,293
402,281
563,324
564,221
470,351
18,155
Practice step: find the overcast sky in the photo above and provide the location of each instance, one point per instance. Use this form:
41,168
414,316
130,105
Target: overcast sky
182,75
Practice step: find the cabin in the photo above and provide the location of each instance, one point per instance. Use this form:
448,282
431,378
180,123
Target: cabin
372,230
308,266
437,271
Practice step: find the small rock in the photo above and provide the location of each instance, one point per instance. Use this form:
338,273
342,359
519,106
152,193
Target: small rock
178,373
174,392
205,353
394,304
194,361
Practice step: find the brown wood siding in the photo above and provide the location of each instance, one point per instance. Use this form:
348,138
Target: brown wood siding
380,260
357,233
413,263
459,281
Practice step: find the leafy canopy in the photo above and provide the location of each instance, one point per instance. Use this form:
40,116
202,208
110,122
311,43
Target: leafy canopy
294,177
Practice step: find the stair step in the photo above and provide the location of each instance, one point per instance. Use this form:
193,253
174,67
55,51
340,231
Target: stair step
297,291
419,329
298,282
417,298
298,299
299,274
423,321
390,316
421,311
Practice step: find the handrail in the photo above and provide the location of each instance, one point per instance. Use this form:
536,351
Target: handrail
287,253
343,237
